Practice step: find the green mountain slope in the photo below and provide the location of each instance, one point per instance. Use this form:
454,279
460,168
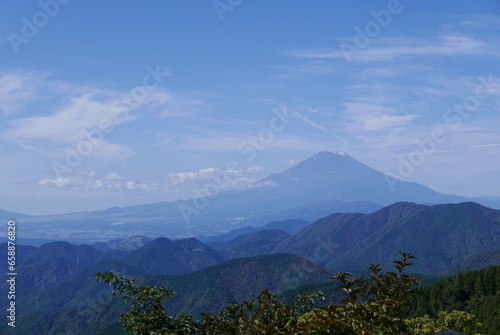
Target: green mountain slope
208,289
61,274
80,254
51,263
77,290
477,292
237,280
440,236
259,243
477,262
167,257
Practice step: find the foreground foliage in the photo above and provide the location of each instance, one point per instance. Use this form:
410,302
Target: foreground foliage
372,305
146,314
475,292
444,321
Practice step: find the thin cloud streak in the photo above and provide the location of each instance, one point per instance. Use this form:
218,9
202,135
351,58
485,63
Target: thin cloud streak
454,44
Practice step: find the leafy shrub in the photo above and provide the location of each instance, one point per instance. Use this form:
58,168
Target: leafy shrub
371,306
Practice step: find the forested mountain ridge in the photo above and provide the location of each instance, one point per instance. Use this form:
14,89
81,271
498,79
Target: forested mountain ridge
167,257
200,291
440,236
57,274
262,242
477,292
290,226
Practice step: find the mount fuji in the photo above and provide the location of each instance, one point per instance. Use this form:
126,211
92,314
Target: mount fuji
323,184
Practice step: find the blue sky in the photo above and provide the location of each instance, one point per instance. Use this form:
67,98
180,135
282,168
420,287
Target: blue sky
119,103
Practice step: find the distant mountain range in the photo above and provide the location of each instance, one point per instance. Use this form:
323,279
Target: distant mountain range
6,215
56,281
165,257
56,274
323,184
60,275
442,237
291,227
129,244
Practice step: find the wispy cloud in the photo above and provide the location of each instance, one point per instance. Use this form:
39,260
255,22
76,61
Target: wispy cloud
17,89
179,106
313,67
230,142
211,141
201,175
67,123
162,138
384,121
316,125
224,179
484,22
109,152
485,146
387,49
73,113
370,116
111,181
